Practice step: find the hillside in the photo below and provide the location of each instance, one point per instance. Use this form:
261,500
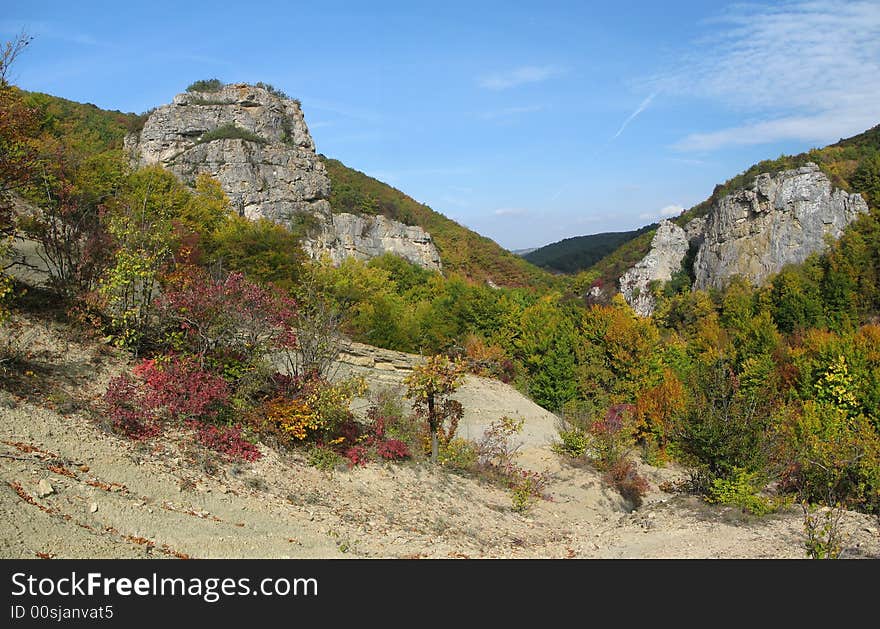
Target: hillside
115,498
84,125
852,164
581,252
462,250
91,129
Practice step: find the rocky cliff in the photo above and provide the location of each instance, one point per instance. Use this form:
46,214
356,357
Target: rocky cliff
668,248
365,237
257,145
781,219
752,232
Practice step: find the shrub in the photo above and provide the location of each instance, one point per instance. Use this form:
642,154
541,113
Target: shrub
388,421
324,458
231,131
393,450
494,448
725,429
572,442
127,409
525,486
625,478
205,85
227,440
822,531
293,419
833,456
741,490
458,454
180,387
196,308
319,411
273,90
357,455
611,436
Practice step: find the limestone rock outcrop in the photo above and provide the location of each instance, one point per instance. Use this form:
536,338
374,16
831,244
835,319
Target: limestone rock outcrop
781,219
255,142
668,248
365,237
752,232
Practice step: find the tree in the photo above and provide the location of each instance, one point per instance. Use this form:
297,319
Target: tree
546,348
430,386
17,125
141,221
65,219
17,156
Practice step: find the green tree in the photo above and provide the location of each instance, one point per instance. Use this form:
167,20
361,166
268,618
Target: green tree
141,222
430,386
261,249
546,348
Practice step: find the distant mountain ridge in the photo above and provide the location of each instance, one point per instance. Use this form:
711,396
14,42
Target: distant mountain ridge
581,252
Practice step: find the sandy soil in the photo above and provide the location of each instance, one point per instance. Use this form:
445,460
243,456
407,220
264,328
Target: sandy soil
115,498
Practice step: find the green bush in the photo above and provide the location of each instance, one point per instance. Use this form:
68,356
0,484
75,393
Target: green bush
275,91
231,132
458,454
572,442
741,490
205,85
726,429
325,459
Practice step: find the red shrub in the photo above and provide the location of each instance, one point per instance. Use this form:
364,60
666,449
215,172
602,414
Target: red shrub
350,430
393,450
128,410
182,388
226,440
227,316
356,455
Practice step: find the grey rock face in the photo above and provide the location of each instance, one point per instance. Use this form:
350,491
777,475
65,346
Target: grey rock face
274,172
779,220
668,248
365,237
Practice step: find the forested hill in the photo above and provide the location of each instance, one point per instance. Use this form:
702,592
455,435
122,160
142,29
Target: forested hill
462,250
581,252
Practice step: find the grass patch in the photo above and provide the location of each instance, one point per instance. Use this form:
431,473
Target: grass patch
205,85
231,132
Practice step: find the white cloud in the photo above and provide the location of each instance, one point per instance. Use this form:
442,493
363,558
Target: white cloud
665,212
521,76
510,211
806,70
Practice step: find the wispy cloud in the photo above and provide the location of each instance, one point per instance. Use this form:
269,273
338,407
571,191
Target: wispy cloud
510,112
807,70
642,107
510,211
521,76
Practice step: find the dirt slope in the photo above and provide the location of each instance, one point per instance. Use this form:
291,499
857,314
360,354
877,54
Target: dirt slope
115,498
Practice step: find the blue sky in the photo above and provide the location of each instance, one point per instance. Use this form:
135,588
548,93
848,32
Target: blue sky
526,121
